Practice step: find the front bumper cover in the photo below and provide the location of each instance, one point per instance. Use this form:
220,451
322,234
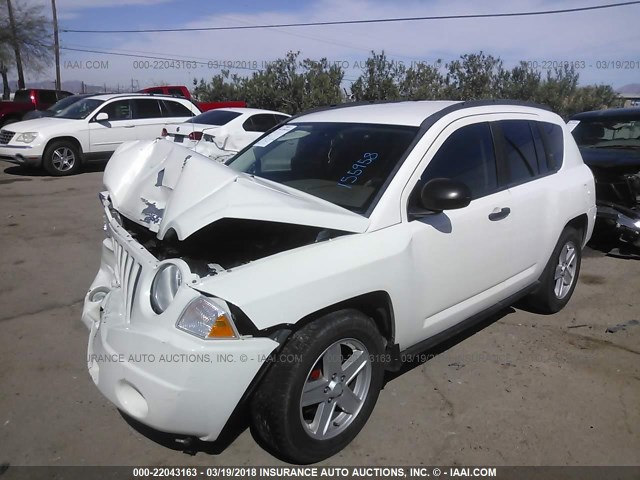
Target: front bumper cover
164,378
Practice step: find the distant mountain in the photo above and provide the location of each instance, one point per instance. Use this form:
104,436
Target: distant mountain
631,88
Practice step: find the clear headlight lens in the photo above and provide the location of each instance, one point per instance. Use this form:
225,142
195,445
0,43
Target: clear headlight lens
204,319
26,137
165,286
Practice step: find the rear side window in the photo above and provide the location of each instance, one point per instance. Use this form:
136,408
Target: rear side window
22,96
146,108
519,151
260,123
176,92
468,156
175,109
215,117
48,96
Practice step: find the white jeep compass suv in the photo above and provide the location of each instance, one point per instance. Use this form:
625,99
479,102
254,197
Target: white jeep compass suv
322,254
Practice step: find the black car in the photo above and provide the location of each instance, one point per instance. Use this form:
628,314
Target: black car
609,141
56,107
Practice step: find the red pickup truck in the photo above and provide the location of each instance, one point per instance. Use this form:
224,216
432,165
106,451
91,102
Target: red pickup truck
182,91
26,100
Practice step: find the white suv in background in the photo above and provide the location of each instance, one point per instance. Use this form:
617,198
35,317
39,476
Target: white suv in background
334,247
90,129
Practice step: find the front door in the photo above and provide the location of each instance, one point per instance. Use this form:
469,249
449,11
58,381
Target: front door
461,256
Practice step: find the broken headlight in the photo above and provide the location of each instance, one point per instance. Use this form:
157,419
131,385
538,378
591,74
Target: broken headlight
165,286
207,320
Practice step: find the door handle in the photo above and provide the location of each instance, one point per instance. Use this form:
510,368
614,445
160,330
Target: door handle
129,126
499,214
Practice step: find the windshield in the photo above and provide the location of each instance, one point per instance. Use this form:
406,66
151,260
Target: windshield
64,103
79,110
214,117
344,163
608,133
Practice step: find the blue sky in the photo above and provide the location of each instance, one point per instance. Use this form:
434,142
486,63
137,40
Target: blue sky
590,38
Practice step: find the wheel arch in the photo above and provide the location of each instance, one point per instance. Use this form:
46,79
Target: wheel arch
580,223
67,138
377,305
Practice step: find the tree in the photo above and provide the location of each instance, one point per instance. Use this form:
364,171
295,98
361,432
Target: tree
5,59
380,79
423,82
26,35
474,76
287,84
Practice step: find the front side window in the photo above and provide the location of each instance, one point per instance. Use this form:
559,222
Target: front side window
467,156
344,163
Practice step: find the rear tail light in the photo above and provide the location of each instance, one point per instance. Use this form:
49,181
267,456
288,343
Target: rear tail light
164,132
195,135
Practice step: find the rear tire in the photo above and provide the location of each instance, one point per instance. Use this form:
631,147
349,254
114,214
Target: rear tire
61,158
560,276
321,389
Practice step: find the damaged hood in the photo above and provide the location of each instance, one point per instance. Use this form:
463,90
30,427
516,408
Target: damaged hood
164,186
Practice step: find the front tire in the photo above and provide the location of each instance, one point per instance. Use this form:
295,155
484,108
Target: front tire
61,158
560,276
322,388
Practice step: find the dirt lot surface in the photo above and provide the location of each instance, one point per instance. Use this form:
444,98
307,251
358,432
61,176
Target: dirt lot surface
524,390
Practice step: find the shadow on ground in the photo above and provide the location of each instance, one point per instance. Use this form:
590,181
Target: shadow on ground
239,421
20,171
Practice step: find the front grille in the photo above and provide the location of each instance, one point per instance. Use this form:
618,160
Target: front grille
127,272
6,136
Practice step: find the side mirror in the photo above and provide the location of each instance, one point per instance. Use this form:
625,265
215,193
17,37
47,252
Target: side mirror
441,194
102,117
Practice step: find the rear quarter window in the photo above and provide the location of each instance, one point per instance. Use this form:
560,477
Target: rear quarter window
554,144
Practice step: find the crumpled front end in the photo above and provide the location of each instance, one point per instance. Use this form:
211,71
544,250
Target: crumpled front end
618,201
165,377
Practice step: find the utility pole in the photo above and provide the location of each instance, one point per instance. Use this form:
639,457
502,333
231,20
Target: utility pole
56,44
16,47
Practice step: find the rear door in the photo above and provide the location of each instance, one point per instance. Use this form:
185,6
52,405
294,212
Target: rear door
105,136
532,153
173,112
148,119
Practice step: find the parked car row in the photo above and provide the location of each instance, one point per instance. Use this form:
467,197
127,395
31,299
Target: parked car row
82,128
